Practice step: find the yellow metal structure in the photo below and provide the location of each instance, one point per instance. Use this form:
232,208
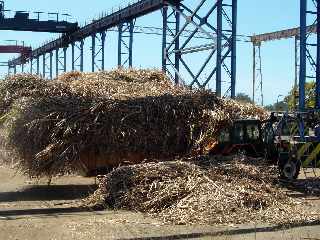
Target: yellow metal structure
308,153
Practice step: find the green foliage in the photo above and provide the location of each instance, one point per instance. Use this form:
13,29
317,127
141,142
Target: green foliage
293,97
242,97
277,107
290,102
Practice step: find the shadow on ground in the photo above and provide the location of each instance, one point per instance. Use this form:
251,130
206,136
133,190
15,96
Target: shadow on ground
228,232
303,188
48,193
42,212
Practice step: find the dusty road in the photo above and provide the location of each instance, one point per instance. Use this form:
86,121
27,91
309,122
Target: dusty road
32,210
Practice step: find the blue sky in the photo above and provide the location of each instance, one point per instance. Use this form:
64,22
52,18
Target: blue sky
254,17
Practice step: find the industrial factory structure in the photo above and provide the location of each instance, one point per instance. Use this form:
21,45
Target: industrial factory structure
218,27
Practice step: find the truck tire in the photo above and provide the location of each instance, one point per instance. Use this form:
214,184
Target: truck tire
289,168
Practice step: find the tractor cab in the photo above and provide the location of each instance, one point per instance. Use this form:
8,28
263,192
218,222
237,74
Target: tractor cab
243,136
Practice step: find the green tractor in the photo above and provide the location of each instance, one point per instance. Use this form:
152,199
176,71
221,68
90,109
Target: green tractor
297,139
284,139
244,136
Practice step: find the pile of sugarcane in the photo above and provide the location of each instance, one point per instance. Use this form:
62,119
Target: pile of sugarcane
202,190
51,123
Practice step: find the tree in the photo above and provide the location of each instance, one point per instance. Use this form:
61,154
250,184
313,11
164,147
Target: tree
277,107
290,102
242,97
293,97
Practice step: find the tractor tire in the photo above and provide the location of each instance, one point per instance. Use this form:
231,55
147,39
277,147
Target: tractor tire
289,169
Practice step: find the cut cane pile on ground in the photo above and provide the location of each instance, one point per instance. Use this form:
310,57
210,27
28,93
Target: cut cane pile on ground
202,191
50,125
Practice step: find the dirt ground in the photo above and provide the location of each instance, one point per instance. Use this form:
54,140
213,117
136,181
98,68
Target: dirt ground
32,210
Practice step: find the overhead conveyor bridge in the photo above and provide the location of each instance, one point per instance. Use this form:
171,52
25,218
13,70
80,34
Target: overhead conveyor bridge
127,14
22,22
279,35
182,24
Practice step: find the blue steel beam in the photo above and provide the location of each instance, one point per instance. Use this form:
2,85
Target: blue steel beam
65,59
61,60
31,65
98,51
120,32
164,37
73,57
44,65
131,29
57,61
129,13
93,51
307,53
51,67
219,47
318,58
177,47
234,48
81,55
77,56
224,48
169,32
125,44
303,53
38,65
103,42
47,66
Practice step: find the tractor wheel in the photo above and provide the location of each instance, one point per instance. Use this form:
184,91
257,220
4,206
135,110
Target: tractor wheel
289,168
